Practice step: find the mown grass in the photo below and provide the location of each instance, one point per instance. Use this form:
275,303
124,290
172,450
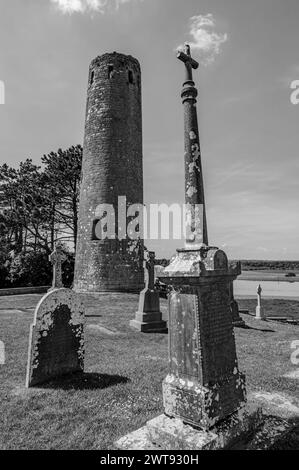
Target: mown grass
121,387
273,307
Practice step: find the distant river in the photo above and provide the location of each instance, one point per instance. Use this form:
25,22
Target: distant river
270,289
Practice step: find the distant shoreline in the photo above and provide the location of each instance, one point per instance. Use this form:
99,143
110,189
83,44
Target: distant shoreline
268,275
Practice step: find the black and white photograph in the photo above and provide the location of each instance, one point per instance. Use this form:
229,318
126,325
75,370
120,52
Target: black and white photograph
149,228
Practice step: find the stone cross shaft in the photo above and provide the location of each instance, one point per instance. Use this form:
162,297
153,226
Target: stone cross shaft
196,223
259,295
260,315
57,258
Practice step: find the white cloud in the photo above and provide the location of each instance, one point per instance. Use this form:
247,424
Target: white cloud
82,6
205,40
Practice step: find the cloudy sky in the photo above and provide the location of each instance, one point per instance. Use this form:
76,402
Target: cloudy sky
249,129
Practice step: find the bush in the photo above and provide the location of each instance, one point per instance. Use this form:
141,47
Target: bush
33,269
30,270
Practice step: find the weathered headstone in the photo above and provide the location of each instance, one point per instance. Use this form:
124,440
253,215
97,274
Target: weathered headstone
260,315
204,385
56,259
204,392
148,319
56,343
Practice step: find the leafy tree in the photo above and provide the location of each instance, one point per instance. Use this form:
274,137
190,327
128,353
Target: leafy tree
30,269
38,206
62,179
23,219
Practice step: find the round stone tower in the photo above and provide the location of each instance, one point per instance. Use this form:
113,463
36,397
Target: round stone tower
112,171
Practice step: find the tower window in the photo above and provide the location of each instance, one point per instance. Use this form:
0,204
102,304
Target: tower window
110,71
92,77
131,77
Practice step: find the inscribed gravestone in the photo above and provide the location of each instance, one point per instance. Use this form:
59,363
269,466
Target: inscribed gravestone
56,344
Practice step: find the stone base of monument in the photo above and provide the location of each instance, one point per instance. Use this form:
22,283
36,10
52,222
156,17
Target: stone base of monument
202,406
260,314
164,433
148,319
149,325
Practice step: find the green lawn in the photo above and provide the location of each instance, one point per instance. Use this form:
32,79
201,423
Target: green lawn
273,307
121,388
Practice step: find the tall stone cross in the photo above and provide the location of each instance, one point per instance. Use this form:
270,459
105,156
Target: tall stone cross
57,258
259,295
148,318
259,309
188,61
196,222
204,389
204,384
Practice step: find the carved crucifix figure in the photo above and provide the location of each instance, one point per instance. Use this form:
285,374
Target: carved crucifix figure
57,258
196,224
150,266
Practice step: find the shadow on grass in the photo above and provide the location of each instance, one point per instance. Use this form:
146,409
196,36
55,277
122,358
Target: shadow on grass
85,381
290,439
275,433
163,332
247,327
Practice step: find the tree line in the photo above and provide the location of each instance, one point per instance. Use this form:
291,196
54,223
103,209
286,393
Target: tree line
39,206
268,265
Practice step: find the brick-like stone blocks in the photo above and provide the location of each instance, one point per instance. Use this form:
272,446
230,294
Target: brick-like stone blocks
112,168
